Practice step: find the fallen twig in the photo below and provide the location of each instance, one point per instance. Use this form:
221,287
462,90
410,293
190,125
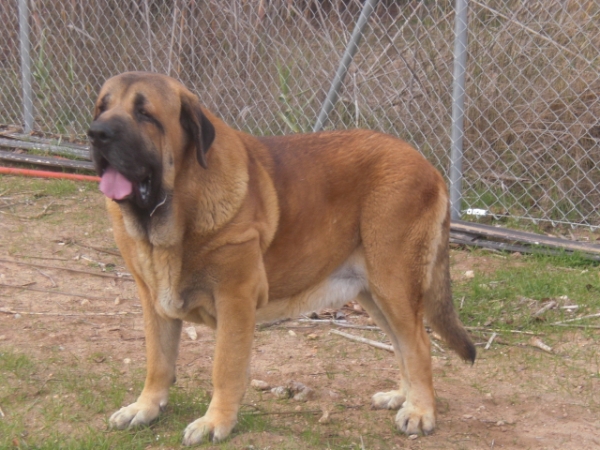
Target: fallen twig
47,276
436,345
10,205
118,275
47,291
570,307
340,324
40,257
491,330
93,261
576,319
575,325
274,323
30,313
36,216
363,340
98,249
490,341
536,342
281,413
551,304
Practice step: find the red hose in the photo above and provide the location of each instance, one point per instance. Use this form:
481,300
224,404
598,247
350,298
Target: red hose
46,174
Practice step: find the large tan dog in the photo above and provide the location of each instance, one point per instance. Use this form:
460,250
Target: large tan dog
226,229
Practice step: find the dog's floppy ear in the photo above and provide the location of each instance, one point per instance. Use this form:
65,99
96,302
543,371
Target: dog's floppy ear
199,128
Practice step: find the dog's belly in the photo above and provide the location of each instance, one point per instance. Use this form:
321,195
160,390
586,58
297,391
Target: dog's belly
341,286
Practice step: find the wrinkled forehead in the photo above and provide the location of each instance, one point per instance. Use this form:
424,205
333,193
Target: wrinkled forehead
141,89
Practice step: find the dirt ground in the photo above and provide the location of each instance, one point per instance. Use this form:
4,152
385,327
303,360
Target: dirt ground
514,397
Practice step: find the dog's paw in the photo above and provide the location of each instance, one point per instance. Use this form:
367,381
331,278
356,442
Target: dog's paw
207,429
134,415
388,400
413,420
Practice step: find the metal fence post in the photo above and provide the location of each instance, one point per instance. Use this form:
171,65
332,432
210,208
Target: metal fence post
25,65
458,103
357,33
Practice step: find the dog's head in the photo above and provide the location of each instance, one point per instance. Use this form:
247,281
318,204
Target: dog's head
144,125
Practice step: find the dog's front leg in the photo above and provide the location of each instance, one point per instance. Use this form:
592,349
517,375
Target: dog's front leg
162,344
236,300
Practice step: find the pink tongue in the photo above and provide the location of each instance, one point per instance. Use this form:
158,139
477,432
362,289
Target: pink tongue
114,185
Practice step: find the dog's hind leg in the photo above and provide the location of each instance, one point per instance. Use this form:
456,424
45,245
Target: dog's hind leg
414,397
401,233
389,399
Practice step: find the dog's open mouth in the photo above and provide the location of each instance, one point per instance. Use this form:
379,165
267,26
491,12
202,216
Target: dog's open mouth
116,186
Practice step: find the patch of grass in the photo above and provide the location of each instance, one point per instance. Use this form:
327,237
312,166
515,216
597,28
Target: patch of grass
54,404
18,364
40,187
508,297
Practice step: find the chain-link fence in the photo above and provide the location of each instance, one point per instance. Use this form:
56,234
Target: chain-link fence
532,105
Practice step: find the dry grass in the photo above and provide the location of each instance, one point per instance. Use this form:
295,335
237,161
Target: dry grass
532,92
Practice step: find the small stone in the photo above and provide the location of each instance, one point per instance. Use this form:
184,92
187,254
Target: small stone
118,301
304,395
296,386
469,274
281,392
467,416
412,437
17,316
500,423
127,361
292,333
260,385
312,336
85,302
192,333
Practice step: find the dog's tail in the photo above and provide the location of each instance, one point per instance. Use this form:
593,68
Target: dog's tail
439,308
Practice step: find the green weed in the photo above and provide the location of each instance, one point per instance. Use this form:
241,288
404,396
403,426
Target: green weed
509,297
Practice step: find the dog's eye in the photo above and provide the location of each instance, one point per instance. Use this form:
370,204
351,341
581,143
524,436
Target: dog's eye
144,116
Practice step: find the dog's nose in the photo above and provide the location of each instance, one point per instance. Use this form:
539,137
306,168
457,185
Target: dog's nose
101,132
